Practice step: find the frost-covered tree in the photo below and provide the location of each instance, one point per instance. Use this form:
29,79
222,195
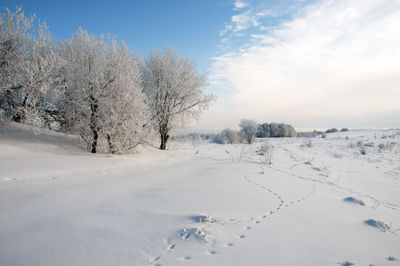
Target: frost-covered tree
173,88
275,130
14,30
29,68
40,79
125,112
248,130
103,97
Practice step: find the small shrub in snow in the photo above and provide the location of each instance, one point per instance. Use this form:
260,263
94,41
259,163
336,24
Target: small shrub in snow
390,258
323,136
369,144
307,143
360,143
351,145
363,151
266,152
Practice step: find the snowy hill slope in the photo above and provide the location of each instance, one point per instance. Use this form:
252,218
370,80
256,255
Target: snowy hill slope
323,203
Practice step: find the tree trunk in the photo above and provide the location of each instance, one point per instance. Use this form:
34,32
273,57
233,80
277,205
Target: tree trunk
93,124
94,143
164,139
111,148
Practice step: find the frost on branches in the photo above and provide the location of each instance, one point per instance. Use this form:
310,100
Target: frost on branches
173,89
103,97
94,87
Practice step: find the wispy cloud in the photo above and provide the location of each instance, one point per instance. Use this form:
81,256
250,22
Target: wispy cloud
332,59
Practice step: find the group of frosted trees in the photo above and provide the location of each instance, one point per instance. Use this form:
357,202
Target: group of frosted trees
94,87
250,129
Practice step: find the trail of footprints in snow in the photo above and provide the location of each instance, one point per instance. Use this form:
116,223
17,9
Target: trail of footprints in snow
281,204
335,183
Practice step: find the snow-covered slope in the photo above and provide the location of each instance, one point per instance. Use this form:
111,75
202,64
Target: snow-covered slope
318,203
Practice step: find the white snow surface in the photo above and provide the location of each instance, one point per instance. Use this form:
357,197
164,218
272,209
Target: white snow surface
200,203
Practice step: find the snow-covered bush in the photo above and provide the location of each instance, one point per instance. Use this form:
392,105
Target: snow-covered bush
227,136
266,151
307,143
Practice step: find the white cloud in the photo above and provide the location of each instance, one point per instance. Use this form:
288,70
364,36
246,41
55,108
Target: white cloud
334,59
239,5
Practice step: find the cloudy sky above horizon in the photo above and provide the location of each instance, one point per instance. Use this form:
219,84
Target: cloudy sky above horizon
314,64
309,63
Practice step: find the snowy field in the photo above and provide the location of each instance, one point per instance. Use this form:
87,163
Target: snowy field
319,203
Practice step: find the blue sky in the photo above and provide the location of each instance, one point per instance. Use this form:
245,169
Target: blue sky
309,63
190,26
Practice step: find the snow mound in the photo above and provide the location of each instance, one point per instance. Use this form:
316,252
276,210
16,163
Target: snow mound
26,136
346,263
354,200
377,224
202,219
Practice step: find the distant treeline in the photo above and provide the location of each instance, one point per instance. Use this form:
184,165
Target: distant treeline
316,132
250,129
275,130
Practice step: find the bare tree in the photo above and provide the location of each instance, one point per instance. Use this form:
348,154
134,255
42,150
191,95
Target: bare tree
173,87
248,130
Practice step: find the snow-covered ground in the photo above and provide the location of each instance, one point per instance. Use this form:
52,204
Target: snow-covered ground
319,203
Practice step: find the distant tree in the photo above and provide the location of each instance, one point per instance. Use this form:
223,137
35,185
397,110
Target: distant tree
248,130
332,130
173,89
263,131
275,130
